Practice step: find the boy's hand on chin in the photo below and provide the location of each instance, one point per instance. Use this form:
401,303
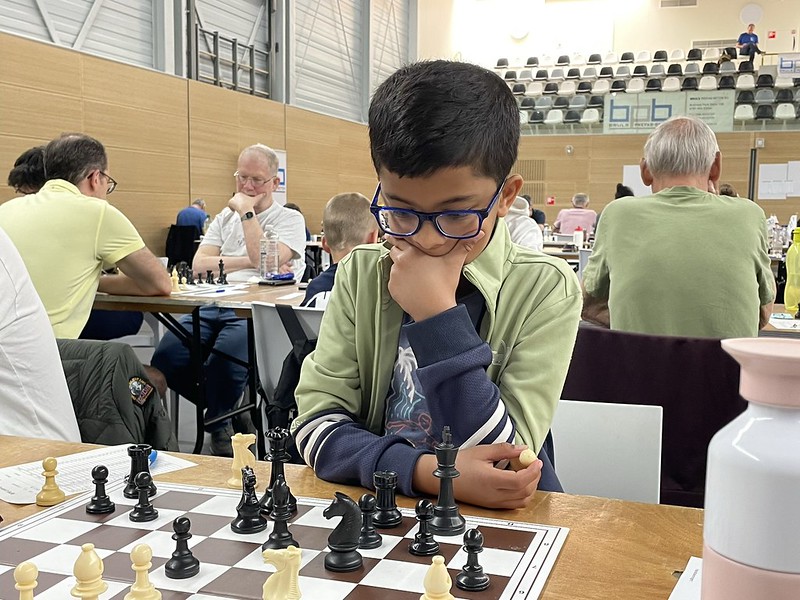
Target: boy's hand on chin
425,285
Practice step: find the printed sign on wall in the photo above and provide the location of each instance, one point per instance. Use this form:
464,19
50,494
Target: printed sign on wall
641,113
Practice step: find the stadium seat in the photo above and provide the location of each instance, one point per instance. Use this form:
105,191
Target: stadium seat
534,89
675,69
657,71
525,75
726,82
557,74
567,88
711,54
554,117
536,118
541,75
594,59
527,104
502,63
574,73
510,76
623,71
610,59
731,52
595,102
784,95
544,103
550,88
710,68
572,116
694,54
744,113
653,85
577,60
689,84
584,87
784,82
577,102
606,72
745,97
707,83
546,61
533,61
601,87
692,70
677,56
523,117
636,86
765,81
765,96
746,66
590,116
618,86
785,112
626,57
797,95
589,73
518,89
643,57
727,68
640,71
671,84
660,56
765,112
745,82
562,60
561,102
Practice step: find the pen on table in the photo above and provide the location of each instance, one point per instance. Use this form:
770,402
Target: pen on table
153,457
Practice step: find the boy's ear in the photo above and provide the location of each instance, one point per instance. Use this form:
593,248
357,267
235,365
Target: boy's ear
325,246
509,193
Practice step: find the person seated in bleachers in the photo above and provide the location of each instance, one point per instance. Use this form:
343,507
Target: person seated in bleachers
683,261
748,42
194,215
27,176
569,219
522,229
347,223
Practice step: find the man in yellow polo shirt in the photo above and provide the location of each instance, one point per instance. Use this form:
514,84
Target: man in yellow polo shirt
67,233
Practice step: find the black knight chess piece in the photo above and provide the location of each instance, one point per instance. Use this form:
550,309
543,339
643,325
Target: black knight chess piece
140,462
100,504
144,510
343,541
248,513
447,519
183,563
472,578
386,515
280,537
424,544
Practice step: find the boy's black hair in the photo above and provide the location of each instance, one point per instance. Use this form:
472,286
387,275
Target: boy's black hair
437,114
28,171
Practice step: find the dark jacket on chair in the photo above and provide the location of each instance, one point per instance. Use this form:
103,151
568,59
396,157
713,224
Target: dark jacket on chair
114,401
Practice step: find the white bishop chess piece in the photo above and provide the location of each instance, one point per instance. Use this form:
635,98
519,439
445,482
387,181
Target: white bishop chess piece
437,581
88,571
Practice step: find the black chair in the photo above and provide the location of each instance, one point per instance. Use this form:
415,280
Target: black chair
784,96
726,82
572,116
594,59
561,102
765,112
745,97
689,84
627,57
746,66
710,68
694,54
563,60
653,85
660,56
527,104
510,76
595,102
550,88
618,86
541,75
518,89
640,71
765,81
675,69
181,246
731,52
502,63
574,73
606,72
537,117
533,61
584,87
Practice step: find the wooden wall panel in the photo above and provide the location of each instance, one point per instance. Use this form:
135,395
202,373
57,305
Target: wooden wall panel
40,66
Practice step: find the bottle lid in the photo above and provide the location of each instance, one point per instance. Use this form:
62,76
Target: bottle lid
770,369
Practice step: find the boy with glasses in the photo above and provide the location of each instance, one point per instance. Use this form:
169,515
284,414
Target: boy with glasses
448,322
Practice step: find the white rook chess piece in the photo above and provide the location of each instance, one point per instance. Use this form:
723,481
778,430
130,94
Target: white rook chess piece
242,457
51,494
25,578
88,571
437,581
142,589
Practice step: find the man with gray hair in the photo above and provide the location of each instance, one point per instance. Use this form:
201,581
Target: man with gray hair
570,219
234,237
683,261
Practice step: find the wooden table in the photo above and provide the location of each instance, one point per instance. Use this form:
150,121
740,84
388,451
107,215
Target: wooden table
615,550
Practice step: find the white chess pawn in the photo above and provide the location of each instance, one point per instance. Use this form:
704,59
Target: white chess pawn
437,581
25,579
142,589
88,571
51,494
242,457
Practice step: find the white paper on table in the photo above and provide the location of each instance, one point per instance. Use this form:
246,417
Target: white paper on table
784,321
688,586
292,296
207,289
20,484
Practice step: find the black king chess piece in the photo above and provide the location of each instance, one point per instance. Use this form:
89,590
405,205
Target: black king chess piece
100,504
447,519
183,563
277,439
140,461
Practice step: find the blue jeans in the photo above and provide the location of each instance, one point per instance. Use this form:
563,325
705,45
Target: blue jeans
225,380
111,324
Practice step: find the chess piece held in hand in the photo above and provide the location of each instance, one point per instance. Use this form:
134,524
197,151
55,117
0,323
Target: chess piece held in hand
51,494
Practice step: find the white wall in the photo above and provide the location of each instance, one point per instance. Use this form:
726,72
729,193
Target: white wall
481,30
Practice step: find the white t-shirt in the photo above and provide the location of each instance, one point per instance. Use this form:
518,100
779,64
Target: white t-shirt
34,398
522,229
226,232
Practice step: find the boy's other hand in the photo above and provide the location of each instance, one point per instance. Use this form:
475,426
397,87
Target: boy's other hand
480,482
425,285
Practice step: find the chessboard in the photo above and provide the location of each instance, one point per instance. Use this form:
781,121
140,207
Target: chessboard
517,556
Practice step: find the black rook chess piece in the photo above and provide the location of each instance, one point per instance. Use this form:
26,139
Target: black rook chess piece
183,563
248,513
369,538
447,519
144,510
100,504
424,544
280,537
277,439
387,515
140,461
472,578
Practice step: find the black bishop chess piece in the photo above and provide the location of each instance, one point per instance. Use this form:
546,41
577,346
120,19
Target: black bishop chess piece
472,578
280,537
447,519
248,513
277,439
343,540
369,538
424,544
387,514
183,563
100,504
144,510
140,462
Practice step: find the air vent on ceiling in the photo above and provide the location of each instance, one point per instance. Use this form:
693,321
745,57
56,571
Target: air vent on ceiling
677,3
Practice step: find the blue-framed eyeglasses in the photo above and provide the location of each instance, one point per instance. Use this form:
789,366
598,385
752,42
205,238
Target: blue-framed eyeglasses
453,224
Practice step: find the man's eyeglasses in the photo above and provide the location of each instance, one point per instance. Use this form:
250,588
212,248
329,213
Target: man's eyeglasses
112,184
453,224
256,181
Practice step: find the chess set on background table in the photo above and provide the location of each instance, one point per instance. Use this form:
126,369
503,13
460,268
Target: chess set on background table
515,557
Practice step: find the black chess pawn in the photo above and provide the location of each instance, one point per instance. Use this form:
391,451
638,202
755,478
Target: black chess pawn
447,519
183,563
100,504
190,278
424,544
280,537
144,510
277,439
140,461
248,512
387,514
472,578
369,538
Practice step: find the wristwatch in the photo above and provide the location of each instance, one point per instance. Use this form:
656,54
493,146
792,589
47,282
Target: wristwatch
248,215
